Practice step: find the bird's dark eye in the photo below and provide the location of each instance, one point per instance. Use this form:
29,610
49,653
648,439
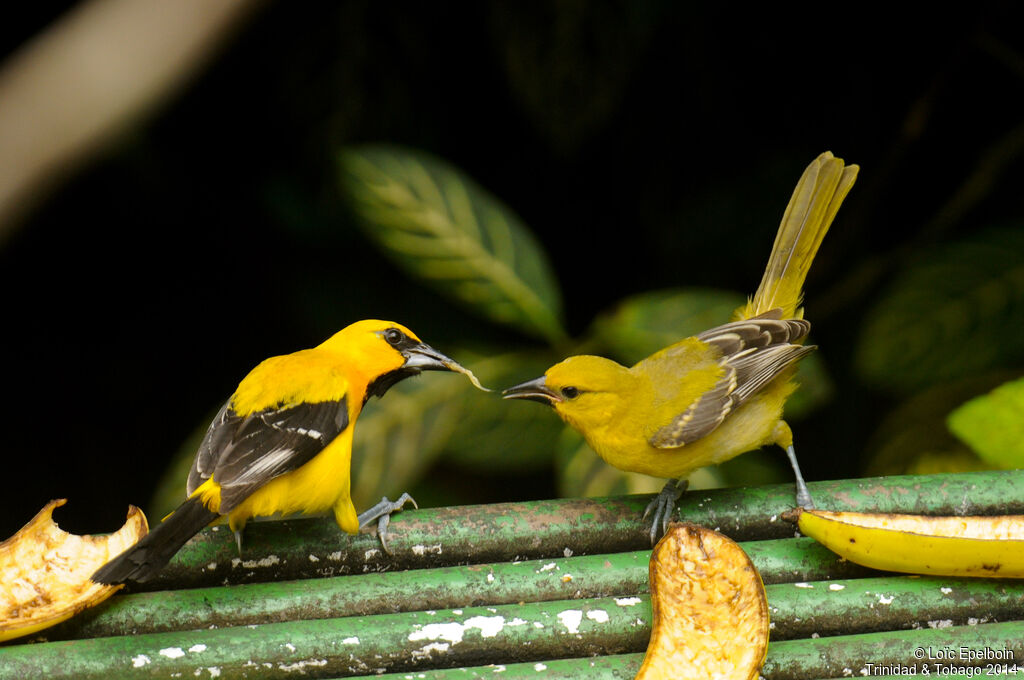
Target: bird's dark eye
570,392
394,336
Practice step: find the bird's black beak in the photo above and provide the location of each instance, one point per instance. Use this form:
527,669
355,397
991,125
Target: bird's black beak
535,390
423,357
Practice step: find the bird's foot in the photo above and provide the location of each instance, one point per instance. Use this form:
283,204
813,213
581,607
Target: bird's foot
663,506
382,514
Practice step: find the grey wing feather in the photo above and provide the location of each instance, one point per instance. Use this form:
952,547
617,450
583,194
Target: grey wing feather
754,352
217,437
242,453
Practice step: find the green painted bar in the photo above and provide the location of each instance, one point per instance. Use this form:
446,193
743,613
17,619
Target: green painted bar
612,667
444,587
850,655
349,646
838,657
835,608
365,594
438,537
828,608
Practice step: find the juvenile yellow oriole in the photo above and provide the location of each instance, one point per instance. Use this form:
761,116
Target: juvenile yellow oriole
282,443
715,395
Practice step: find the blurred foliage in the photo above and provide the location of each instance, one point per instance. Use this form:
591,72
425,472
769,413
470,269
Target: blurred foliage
447,231
950,314
993,425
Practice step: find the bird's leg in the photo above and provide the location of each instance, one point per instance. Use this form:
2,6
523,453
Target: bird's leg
382,513
803,496
663,505
237,527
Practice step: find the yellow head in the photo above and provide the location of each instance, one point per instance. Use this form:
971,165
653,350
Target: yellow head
385,352
588,392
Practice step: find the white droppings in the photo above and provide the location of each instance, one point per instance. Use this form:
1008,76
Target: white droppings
195,649
426,651
212,566
571,619
567,552
268,561
489,626
945,590
802,584
627,601
350,640
599,615
882,599
172,652
314,558
426,549
140,661
941,623
372,553
335,556
539,667
214,671
289,646
836,586
453,632
548,567
457,612
299,665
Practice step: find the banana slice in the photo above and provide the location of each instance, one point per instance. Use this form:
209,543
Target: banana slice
917,544
44,571
710,611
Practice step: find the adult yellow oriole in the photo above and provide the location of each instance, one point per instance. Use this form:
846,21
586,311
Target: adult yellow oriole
718,394
283,442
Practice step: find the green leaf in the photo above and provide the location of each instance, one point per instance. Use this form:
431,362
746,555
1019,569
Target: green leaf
913,438
443,228
993,425
954,313
643,324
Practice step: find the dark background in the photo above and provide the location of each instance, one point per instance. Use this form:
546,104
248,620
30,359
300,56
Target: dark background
647,145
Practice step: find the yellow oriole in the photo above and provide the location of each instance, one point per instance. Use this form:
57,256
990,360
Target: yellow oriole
283,442
718,394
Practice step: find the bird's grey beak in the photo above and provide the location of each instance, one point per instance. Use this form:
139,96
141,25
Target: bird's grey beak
423,357
535,390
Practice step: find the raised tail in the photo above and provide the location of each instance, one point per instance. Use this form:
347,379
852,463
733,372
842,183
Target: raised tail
146,558
810,212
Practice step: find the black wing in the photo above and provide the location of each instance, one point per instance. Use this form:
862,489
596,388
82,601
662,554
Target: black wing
754,352
242,453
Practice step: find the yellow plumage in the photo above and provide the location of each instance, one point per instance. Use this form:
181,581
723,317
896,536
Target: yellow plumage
282,444
707,398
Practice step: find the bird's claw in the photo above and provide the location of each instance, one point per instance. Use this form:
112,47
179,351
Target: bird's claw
382,514
662,507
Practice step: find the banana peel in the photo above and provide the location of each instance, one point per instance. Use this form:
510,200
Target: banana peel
916,544
44,571
709,606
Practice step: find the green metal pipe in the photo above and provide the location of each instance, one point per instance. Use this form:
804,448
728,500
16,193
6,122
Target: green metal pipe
349,646
440,588
828,609
437,537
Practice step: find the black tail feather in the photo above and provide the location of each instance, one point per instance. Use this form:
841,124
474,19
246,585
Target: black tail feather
146,558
